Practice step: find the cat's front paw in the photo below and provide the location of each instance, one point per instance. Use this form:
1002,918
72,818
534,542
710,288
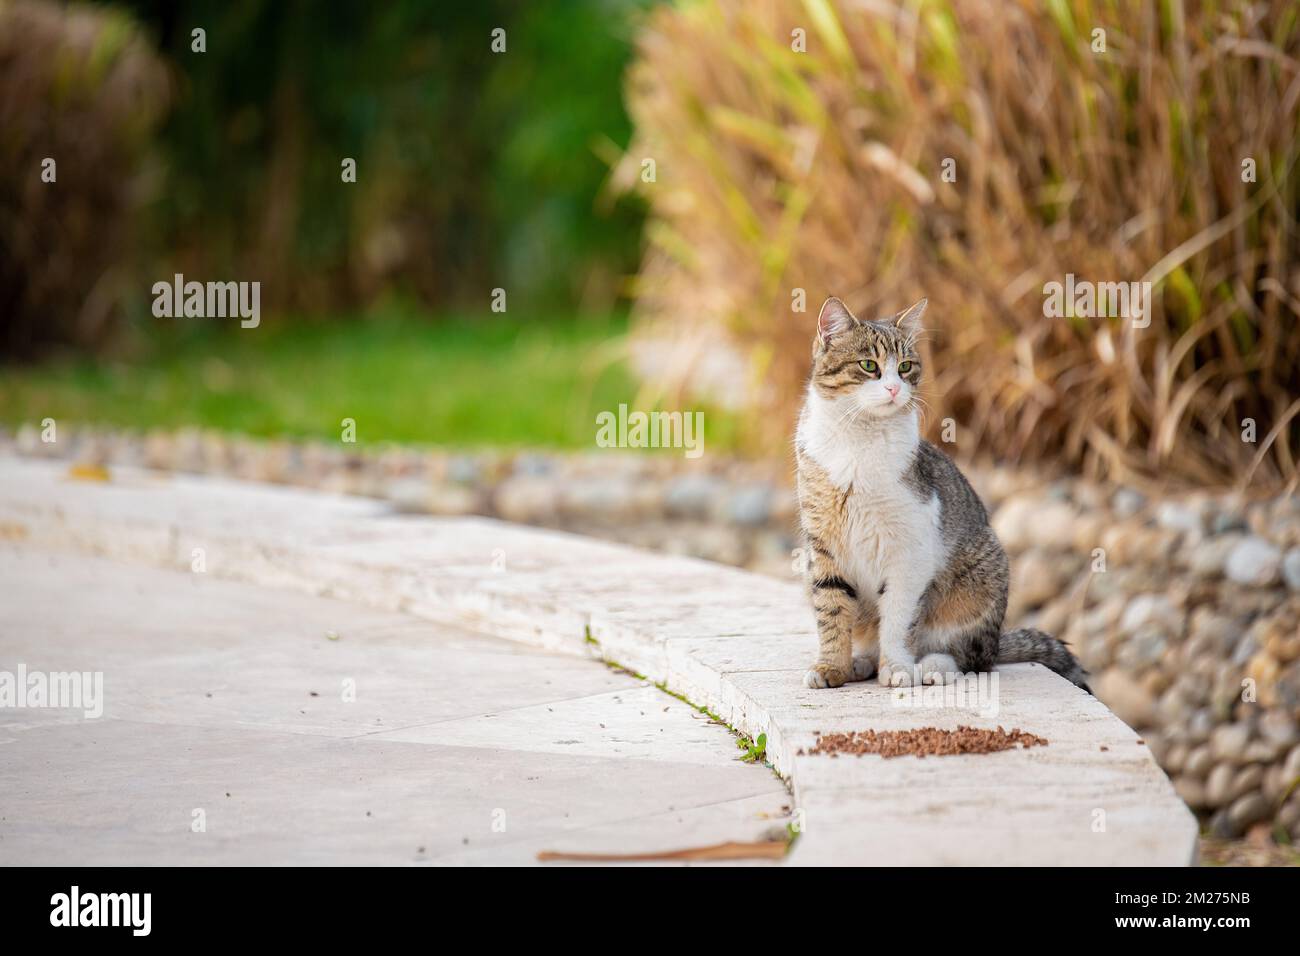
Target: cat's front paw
898,674
824,675
864,668
939,669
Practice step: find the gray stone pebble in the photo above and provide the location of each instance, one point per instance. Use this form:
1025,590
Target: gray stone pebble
1254,562
1291,569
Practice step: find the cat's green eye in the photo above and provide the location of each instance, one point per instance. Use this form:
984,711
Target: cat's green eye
869,366
904,368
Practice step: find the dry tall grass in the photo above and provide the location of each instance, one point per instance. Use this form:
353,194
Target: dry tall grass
821,170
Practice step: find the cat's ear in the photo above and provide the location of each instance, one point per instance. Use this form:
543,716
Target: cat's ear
834,318
909,320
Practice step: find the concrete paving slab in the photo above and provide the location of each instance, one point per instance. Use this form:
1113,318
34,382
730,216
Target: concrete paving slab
125,793
208,706
641,724
188,648
739,821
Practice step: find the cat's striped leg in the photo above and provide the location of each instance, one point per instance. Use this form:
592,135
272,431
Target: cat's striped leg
866,642
835,604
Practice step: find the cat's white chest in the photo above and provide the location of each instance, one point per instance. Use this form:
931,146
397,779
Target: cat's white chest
890,532
890,535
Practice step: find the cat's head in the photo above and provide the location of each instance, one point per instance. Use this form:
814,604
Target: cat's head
874,363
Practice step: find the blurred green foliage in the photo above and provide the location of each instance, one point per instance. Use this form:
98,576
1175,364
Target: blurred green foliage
475,169
465,381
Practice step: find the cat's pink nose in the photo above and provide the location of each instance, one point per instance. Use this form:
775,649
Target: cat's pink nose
892,390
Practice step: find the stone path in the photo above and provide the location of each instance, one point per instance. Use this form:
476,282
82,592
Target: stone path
229,699
732,641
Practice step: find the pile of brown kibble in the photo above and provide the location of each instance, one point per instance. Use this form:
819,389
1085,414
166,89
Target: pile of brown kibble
924,742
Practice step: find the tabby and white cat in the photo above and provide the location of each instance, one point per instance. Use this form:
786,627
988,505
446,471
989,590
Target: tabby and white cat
907,579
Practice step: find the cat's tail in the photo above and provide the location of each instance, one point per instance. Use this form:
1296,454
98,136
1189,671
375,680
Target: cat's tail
1029,644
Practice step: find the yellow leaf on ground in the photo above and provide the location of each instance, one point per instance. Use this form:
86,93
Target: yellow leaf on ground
88,472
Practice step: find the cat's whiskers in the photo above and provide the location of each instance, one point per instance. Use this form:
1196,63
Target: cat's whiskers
921,405
849,417
856,413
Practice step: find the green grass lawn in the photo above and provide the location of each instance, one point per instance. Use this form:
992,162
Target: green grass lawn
457,381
